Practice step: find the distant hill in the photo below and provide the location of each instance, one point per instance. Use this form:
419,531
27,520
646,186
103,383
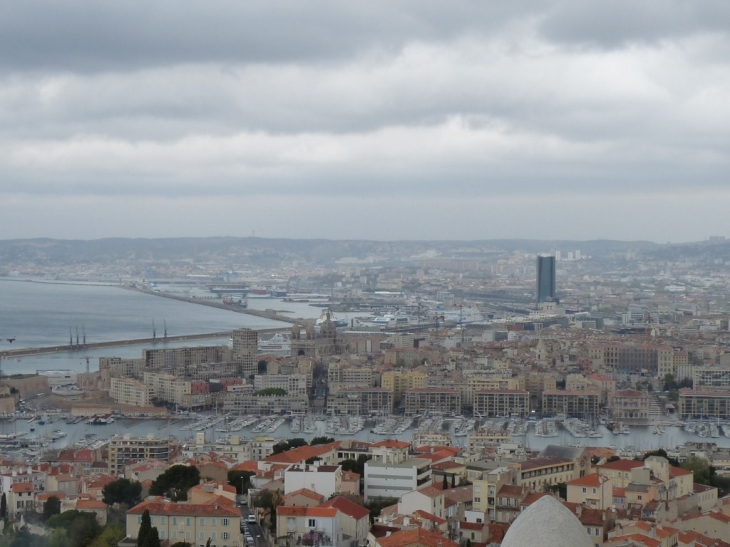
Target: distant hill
263,251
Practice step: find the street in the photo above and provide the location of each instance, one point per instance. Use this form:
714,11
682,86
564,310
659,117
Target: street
254,529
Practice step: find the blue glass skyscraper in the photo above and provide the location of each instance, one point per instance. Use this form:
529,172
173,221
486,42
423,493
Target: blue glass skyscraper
545,279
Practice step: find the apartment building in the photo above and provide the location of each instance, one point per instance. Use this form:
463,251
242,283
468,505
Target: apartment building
501,402
705,403
182,358
401,381
605,385
482,438
310,525
342,376
392,480
432,399
245,352
325,480
128,391
123,368
193,523
630,405
633,358
482,383
594,490
486,488
570,403
262,405
537,473
294,384
127,448
711,377
361,401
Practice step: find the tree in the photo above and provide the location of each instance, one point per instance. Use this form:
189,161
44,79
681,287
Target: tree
122,491
81,528
241,480
375,506
153,538
468,542
52,507
321,440
445,484
145,528
700,468
613,458
110,536
662,454
283,446
453,480
175,482
3,506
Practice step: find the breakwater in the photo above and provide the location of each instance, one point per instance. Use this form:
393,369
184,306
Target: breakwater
265,314
22,352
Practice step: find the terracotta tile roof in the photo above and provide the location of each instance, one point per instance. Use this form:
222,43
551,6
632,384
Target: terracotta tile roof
425,515
430,491
594,479
510,491
543,462
532,498
621,465
348,507
678,472
419,535
296,455
639,538
391,443
460,494
319,511
307,493
43,496
160,506
246,466
22,487
442,466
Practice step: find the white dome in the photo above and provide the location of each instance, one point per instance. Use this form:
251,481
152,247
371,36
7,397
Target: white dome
546,523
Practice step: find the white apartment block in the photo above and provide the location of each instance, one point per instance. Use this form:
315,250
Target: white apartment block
392,480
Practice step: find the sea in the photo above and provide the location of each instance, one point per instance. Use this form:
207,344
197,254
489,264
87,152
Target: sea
40,313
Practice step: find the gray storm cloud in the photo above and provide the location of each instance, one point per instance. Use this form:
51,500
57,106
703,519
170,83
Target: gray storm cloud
418,110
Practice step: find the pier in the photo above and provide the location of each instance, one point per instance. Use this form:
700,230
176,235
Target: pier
266,314
22,352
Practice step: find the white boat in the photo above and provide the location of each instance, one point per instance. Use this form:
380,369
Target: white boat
386,321
279,343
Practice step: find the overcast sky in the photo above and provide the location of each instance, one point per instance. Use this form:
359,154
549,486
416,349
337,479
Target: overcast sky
371,120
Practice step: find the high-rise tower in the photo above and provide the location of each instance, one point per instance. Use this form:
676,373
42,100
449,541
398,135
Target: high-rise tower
245,351
545,279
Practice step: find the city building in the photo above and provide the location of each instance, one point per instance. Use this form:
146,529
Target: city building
193,523
361,401
432,399
545,279
630,405
704,403
128,391
501,402
392,480
581,404
322,479
245,351
127,448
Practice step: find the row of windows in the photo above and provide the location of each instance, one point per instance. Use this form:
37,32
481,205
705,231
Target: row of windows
188,520
188,535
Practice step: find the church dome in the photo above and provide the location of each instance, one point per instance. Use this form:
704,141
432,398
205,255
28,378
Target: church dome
546,523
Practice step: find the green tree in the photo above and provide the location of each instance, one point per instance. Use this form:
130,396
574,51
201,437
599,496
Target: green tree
283,446
444,483
110,536
144,529
700,468
81,528
321,440
468,542
376,505
3,506
52,507
175,482
453,480
153,538
240,480
661,453
122,491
